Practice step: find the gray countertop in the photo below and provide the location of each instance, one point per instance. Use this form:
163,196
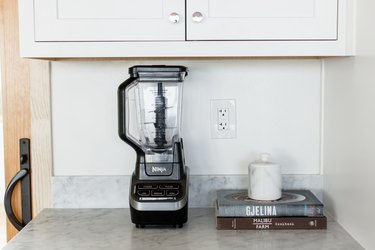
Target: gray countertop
66,229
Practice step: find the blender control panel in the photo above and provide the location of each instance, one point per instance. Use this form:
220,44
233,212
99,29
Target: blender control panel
165,191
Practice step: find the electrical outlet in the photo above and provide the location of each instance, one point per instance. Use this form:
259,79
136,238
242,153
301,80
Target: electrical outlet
223,119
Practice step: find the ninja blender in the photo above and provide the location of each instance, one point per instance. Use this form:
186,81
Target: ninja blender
149,112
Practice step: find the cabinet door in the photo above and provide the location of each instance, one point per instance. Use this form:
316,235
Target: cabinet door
262,19
109,20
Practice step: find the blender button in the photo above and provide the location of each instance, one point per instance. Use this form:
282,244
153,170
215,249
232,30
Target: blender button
147,186
143,192
157,193
169,186
172,192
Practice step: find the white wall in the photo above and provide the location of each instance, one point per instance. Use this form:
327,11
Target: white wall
278,111
349,155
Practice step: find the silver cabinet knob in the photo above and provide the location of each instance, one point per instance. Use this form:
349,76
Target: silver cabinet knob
174,17
197,17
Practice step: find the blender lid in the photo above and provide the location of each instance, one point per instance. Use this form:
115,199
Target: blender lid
150,69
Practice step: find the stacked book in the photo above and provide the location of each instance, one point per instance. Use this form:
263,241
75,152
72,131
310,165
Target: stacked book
297,209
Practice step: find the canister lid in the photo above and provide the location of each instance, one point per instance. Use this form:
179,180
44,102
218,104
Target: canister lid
263,161
264,157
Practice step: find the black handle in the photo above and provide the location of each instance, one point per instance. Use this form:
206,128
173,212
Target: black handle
8,199
24,176
121,97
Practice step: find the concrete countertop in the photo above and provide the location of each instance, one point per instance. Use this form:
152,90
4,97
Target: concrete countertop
81,229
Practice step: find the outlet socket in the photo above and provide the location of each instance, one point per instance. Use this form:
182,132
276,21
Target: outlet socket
223,119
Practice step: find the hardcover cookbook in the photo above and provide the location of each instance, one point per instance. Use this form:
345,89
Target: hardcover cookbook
235,203
271,223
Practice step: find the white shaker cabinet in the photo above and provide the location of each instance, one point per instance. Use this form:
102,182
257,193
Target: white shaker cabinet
109,20
262,19
185,28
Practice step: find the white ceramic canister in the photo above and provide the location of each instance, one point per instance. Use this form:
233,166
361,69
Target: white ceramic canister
264,179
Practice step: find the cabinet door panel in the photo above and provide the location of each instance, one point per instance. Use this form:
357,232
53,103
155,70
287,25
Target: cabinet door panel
263,20
109,9
108,20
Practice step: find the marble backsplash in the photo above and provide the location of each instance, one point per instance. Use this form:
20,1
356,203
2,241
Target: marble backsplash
112,191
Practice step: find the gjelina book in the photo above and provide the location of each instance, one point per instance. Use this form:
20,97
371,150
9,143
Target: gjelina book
271,223
235,203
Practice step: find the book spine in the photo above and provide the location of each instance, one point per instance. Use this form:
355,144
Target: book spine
270,210
271,223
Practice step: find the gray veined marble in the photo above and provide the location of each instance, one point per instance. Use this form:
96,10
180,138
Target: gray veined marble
99,229
90,191
112,191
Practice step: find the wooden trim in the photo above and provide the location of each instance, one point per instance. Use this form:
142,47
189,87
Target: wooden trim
41,145
26,112
16,110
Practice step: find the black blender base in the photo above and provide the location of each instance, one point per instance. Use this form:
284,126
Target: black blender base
175,219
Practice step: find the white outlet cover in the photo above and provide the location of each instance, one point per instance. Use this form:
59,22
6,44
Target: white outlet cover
216,105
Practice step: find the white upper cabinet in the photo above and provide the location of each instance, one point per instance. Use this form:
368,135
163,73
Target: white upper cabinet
186,28
109,20
262,19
